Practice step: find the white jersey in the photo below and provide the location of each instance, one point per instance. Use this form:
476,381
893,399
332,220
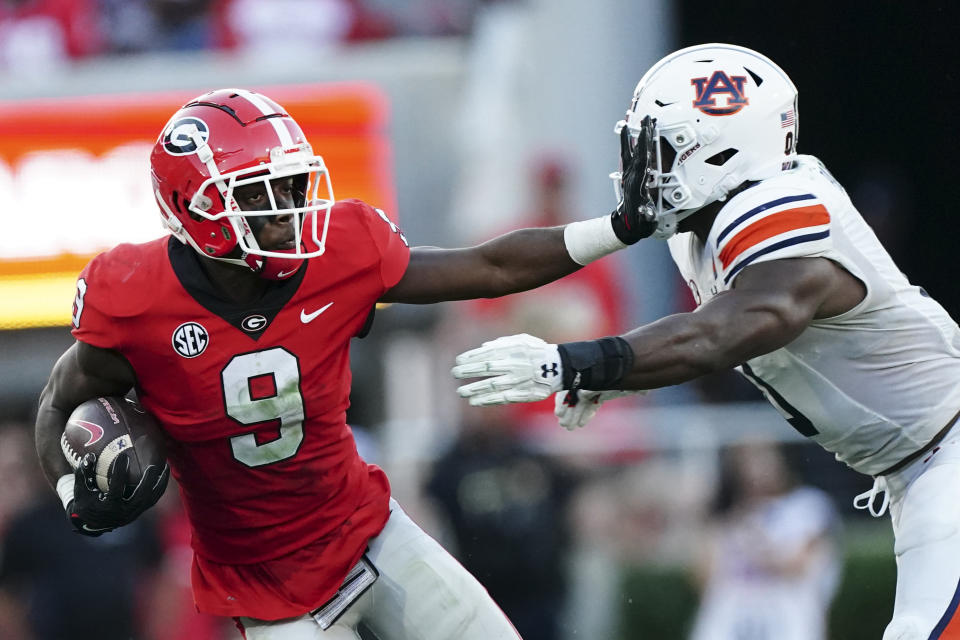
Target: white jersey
872,385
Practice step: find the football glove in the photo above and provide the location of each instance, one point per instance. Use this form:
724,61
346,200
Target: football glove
635,217
523,369
576,407
94,512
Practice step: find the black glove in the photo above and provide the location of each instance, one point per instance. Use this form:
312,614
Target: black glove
94,512
635,217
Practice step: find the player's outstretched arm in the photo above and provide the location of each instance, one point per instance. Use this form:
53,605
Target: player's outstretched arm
513,262
771,305
82,372
529,258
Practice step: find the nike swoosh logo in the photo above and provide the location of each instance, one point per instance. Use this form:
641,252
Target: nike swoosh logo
309,317
284,274
95,430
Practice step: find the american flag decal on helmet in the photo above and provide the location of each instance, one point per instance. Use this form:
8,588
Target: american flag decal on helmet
787,118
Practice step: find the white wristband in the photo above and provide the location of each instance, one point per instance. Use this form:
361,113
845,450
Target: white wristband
589,240
65,489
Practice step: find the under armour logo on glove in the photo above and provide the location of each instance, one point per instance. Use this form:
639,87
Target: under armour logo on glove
514,369
552,369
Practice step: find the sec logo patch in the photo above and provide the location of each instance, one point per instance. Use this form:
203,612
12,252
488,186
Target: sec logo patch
190,339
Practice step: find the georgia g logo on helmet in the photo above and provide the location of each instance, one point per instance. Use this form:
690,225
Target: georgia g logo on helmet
719,83
178,137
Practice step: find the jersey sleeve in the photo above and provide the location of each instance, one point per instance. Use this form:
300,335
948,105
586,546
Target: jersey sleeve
113,288
392,246
769,224
92,319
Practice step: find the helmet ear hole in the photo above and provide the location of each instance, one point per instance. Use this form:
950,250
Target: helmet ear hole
183,206
667,155
192,214
720,159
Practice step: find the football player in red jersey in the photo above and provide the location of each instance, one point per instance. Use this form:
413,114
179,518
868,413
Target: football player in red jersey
235,334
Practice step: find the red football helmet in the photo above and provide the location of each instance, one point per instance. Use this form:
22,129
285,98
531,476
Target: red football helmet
230,138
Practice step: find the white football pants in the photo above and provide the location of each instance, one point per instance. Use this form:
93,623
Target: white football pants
422,593
925,511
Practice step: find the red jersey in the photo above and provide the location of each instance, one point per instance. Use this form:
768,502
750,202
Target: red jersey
254,399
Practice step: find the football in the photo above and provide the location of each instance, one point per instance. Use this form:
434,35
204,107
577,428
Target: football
107,426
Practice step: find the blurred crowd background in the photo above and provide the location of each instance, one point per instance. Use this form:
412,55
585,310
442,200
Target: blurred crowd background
692,512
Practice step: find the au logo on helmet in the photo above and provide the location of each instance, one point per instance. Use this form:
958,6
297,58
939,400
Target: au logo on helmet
178,139
718,84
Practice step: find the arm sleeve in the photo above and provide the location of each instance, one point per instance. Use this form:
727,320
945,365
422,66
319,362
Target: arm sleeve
392,246
770,225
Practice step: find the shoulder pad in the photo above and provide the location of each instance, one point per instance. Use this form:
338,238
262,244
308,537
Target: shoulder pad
782,217
122,282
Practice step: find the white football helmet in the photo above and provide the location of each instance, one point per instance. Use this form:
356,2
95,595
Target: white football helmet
723,115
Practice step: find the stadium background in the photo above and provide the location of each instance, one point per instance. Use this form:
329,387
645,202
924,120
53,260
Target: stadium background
454,115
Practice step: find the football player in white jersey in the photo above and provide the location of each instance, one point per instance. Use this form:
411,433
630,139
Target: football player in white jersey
794,290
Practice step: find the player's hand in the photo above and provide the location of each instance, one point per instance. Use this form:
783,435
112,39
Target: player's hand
518,368
94,512
577,407
635,217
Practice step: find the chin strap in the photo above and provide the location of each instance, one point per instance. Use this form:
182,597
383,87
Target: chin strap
272,267
668,223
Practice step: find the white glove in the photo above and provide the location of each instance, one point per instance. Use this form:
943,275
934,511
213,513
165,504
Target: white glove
524,369
574,416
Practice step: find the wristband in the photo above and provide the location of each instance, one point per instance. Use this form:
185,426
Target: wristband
589,240
65,489
596,365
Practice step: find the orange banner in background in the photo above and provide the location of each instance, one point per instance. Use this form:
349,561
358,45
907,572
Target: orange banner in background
74,179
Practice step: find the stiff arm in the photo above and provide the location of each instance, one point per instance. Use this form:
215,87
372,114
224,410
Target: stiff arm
516,261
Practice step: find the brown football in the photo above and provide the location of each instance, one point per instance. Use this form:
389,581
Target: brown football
107,426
